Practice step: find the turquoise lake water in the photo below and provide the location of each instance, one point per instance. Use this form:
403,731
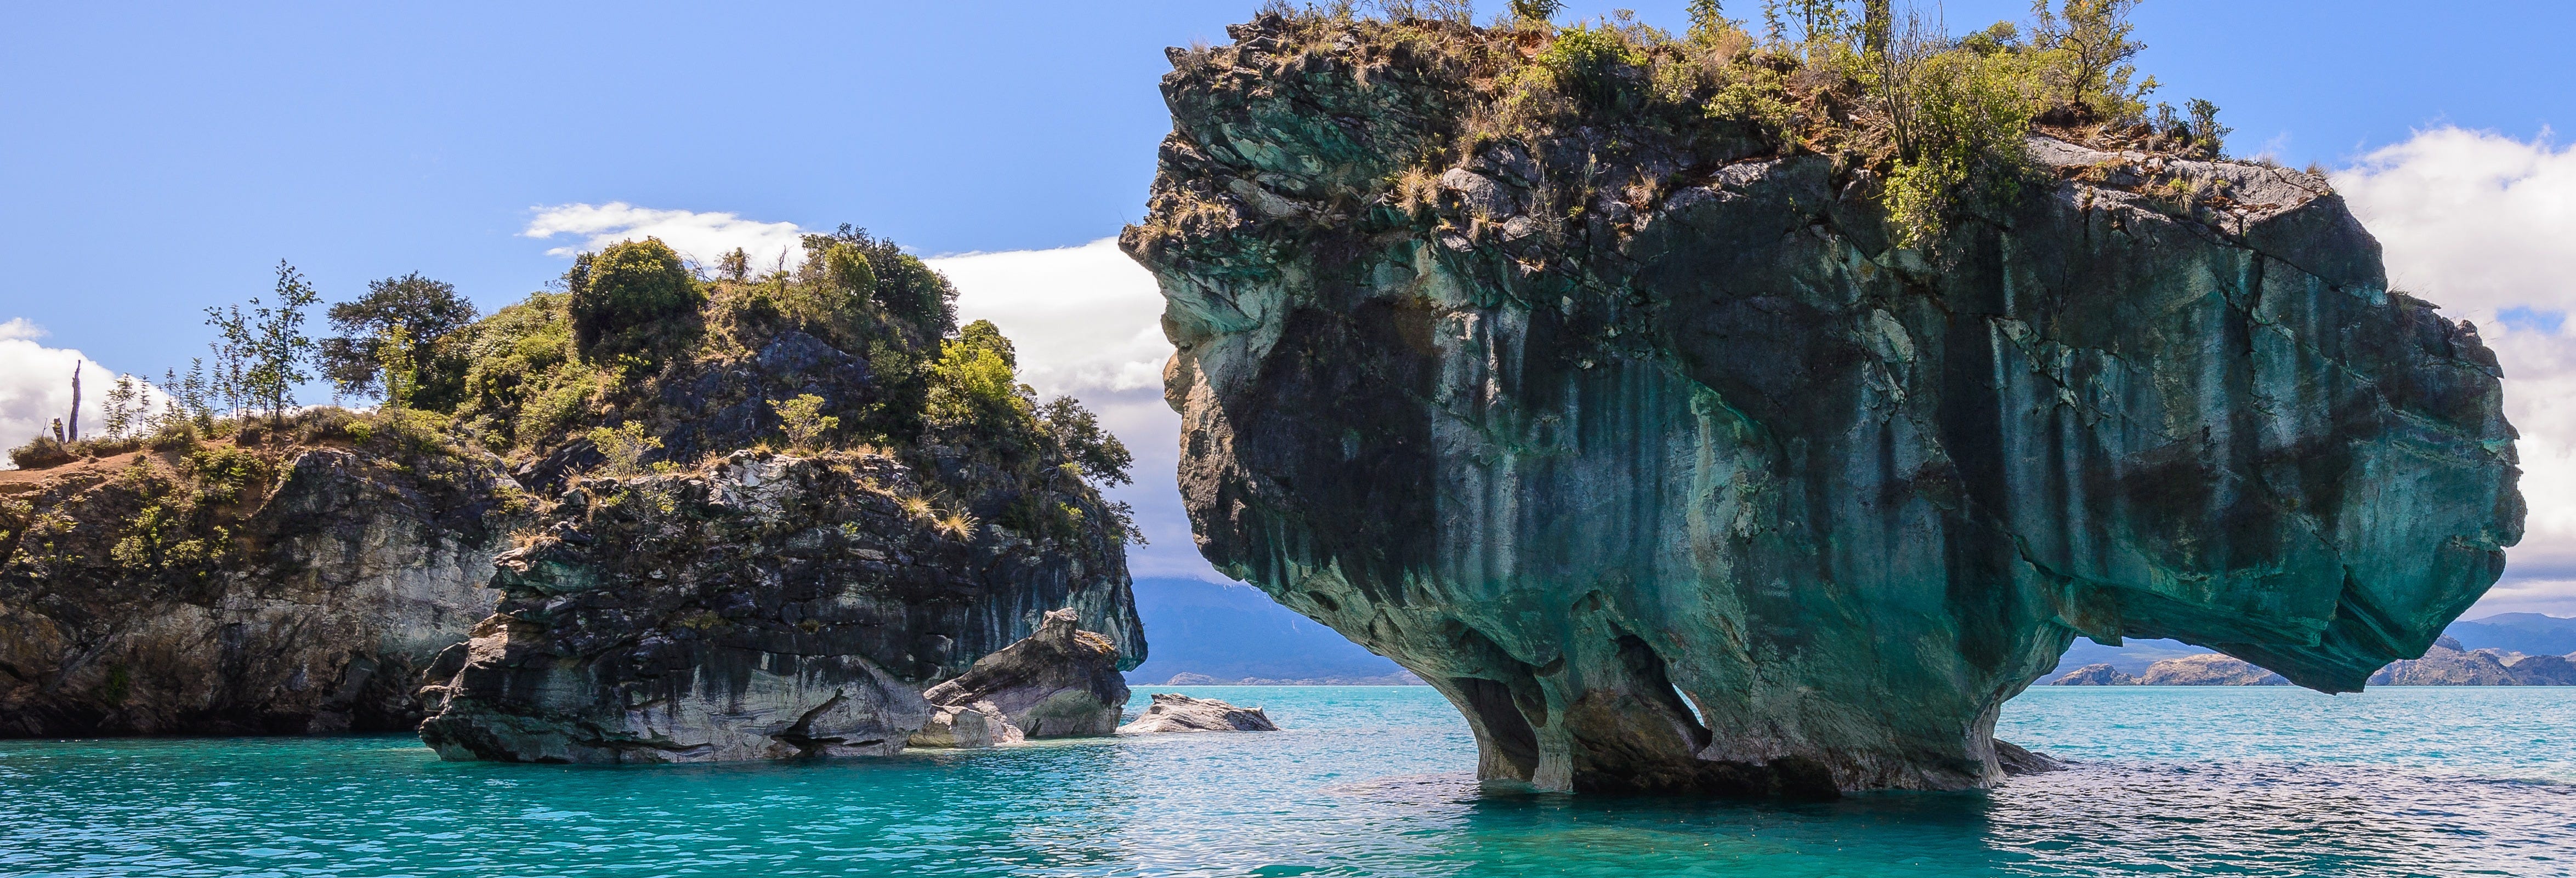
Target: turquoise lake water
1367,781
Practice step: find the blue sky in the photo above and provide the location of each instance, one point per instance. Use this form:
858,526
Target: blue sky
157,159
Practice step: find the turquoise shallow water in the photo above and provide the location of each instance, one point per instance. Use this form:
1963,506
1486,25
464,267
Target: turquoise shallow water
1369,781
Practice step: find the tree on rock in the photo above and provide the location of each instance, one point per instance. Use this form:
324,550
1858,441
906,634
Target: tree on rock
631,299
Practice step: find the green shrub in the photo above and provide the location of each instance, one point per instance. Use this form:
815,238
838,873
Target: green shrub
916,297
804,422
175,435
1971,113
849,271
633,298
975,383
625,447
226,475
1593,64
42,452
1085,446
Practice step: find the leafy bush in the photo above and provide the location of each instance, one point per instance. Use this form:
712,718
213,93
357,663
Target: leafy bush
849,271
634,297
803,421
909,291
225,474
42,452
625,447
1084,445
1970,114
1591,63
975,383
411,311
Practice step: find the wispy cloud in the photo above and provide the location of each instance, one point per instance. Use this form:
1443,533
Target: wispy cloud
2480,223
699,236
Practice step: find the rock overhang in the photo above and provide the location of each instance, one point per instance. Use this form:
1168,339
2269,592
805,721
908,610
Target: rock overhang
1715,435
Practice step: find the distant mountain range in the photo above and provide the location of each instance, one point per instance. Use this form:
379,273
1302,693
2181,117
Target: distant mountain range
1207,633
2526,633
1211,633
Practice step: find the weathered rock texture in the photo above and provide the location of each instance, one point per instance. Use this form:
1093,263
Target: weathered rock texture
300,589
1061,682
1648,450
1175,712
764,606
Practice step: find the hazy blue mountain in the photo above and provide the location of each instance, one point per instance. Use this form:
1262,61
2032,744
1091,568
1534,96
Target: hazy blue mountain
2529,633
1234,633
2131,658
1230,633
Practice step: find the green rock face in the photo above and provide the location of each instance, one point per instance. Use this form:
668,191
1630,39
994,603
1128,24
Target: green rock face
1651,454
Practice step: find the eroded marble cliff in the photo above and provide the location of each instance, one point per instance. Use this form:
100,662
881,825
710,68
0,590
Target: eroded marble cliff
244,588
1646,445
763,606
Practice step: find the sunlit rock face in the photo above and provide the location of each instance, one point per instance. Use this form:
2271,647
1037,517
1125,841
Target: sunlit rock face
764,606
307,603
1651,453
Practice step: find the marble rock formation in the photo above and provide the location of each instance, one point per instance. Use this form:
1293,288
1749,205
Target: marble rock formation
2095,675
1175,712
761,606
1061,682
1650,450
278,589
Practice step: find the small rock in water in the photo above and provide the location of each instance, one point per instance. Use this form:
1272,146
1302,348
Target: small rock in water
1061,682
2015,760
1174,712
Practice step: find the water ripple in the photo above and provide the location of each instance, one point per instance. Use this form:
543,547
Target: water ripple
1367,781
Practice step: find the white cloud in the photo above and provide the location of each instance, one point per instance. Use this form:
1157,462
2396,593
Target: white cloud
1087,323
2481,224
1082,318
36,385
702,237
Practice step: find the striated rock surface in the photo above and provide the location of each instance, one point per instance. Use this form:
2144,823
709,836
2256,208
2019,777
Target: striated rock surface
1175,712
2095,675
222,590
763,606
1646,447
1061,682
2016,760
2209,669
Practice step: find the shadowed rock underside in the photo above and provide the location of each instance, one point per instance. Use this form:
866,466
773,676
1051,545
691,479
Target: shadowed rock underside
1652,454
